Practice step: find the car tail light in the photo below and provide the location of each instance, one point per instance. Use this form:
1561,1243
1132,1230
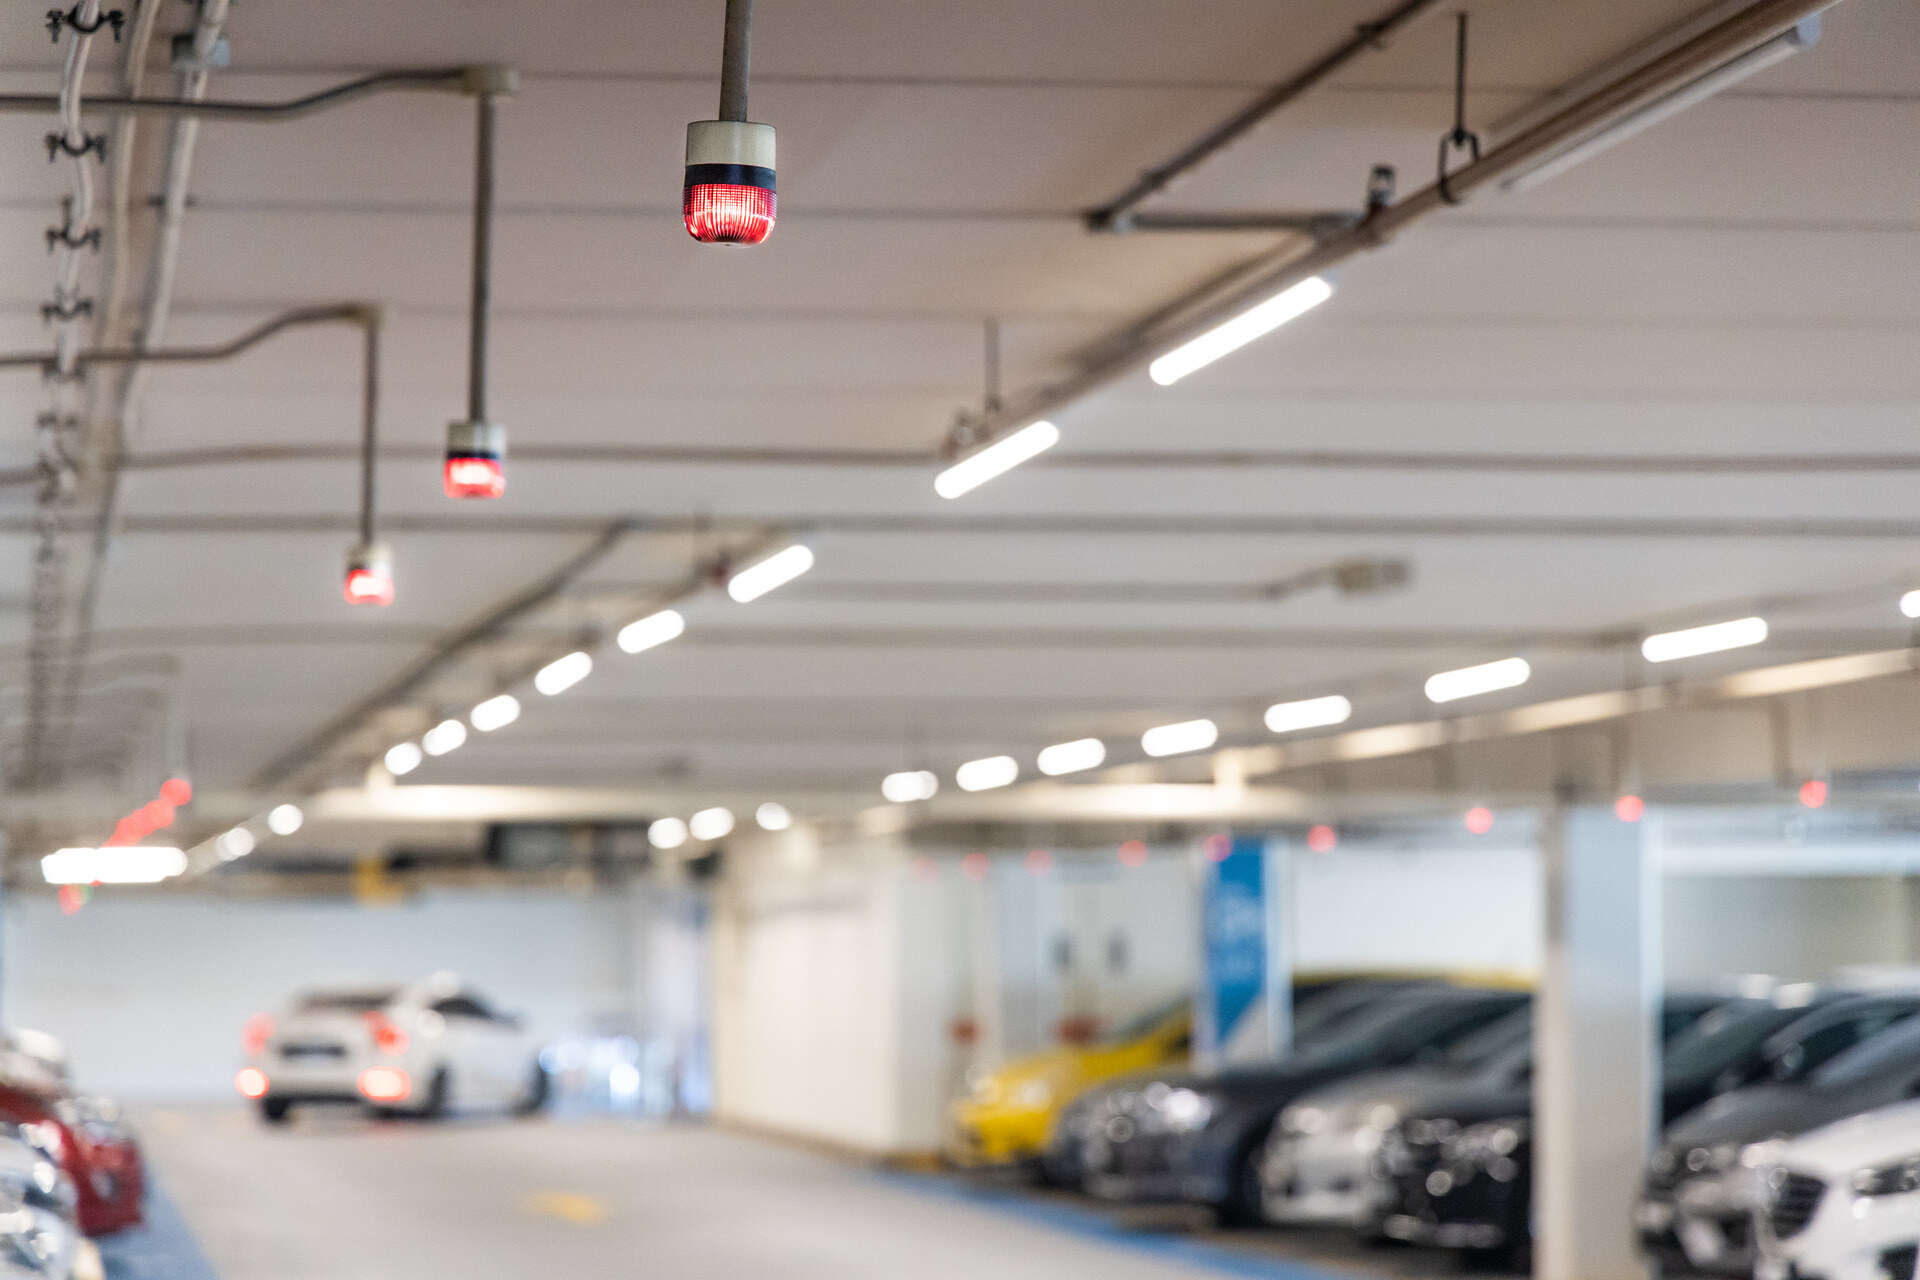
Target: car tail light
251,1082
385,1084
476,464
259,1030
729,193
388,1036
370,574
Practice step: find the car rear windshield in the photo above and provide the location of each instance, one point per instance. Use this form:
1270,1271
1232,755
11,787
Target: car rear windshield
1893,1050
346,1001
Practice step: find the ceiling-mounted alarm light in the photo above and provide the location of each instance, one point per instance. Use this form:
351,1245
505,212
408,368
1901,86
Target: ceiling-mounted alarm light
729,197
370,574
476,460
777,570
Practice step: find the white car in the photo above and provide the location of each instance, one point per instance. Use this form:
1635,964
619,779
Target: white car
1843,1201
421,1049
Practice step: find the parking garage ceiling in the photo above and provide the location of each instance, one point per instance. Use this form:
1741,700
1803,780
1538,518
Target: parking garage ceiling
1488,399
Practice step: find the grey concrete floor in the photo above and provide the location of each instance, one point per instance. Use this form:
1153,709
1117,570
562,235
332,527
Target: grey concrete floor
334,1197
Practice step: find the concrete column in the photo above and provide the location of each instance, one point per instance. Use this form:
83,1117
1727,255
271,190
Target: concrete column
1595,1038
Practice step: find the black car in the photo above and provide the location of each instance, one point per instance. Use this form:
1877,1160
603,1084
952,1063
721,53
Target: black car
1320,1009
1852,1055
1197,1138
1462,1168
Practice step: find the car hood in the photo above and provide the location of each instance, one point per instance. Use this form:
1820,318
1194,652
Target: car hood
1404,1089
1758,1113
1471,1101
1862,1141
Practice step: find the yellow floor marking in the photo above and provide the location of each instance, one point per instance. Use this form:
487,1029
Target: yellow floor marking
582,1211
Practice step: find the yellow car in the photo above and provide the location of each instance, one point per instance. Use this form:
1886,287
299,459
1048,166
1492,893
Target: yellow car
1006,1116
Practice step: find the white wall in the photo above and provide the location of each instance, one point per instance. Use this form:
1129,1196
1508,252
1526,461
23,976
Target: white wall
150,992
1795,928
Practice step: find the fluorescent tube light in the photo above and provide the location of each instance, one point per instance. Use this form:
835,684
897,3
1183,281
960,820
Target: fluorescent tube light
1508,673
1910,604
985,775
1178,739
776,570
906,787
1698,640
996,459
443,737
404,758
1781,47
1238,332
1312,713
562,674
710,824
285,819
1072,757
495,713
667,833
236,842
118,864
655,628
773,817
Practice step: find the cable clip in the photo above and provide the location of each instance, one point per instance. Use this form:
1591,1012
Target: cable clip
62,309
1461,139
115,18
94,142
64,235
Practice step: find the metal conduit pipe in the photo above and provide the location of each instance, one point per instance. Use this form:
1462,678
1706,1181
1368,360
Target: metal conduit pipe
736,56
1198,312
468,80
1112,216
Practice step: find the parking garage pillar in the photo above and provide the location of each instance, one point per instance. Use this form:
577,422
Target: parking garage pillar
1595,1038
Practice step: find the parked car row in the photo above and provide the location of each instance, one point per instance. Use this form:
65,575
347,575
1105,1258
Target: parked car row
1405,1112
70,1166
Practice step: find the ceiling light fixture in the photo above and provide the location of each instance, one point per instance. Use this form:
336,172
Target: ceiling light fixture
285,819
1910,604
118,864
562,674
654,629
729,195
1803,35
996,459
1508,673
710,824
773,817
495,713
1225,339
446,736
403,758
667,833
1311,713
236,842
1695,641
1178,739
909,785
776,570
985,775
1072,757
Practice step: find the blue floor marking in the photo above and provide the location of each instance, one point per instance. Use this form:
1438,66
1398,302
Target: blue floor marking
1094,1225
161,1248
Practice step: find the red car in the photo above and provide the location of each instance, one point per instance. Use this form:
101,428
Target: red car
95,1146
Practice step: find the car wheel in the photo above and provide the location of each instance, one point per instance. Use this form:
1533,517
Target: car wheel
435,1104
275,1110
536,1095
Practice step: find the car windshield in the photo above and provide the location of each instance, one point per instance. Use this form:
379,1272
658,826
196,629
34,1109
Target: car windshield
1895,1049
1721,1038
1330,1011
1497,1040
346,1001
1138,1027
1362,1034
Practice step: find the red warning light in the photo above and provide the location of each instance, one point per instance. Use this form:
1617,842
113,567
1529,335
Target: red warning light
176,791
1217,848
728,213
1322,839
369,584
1039,862
473,477
1479,821
1133,853
256,1033
1629,808
158,813
975,866
1813,794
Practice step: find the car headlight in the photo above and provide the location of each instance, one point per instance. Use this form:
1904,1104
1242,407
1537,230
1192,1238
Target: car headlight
1036,1095
38,1241
1177,1110
1485,1143
1893,1179
1715,1159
